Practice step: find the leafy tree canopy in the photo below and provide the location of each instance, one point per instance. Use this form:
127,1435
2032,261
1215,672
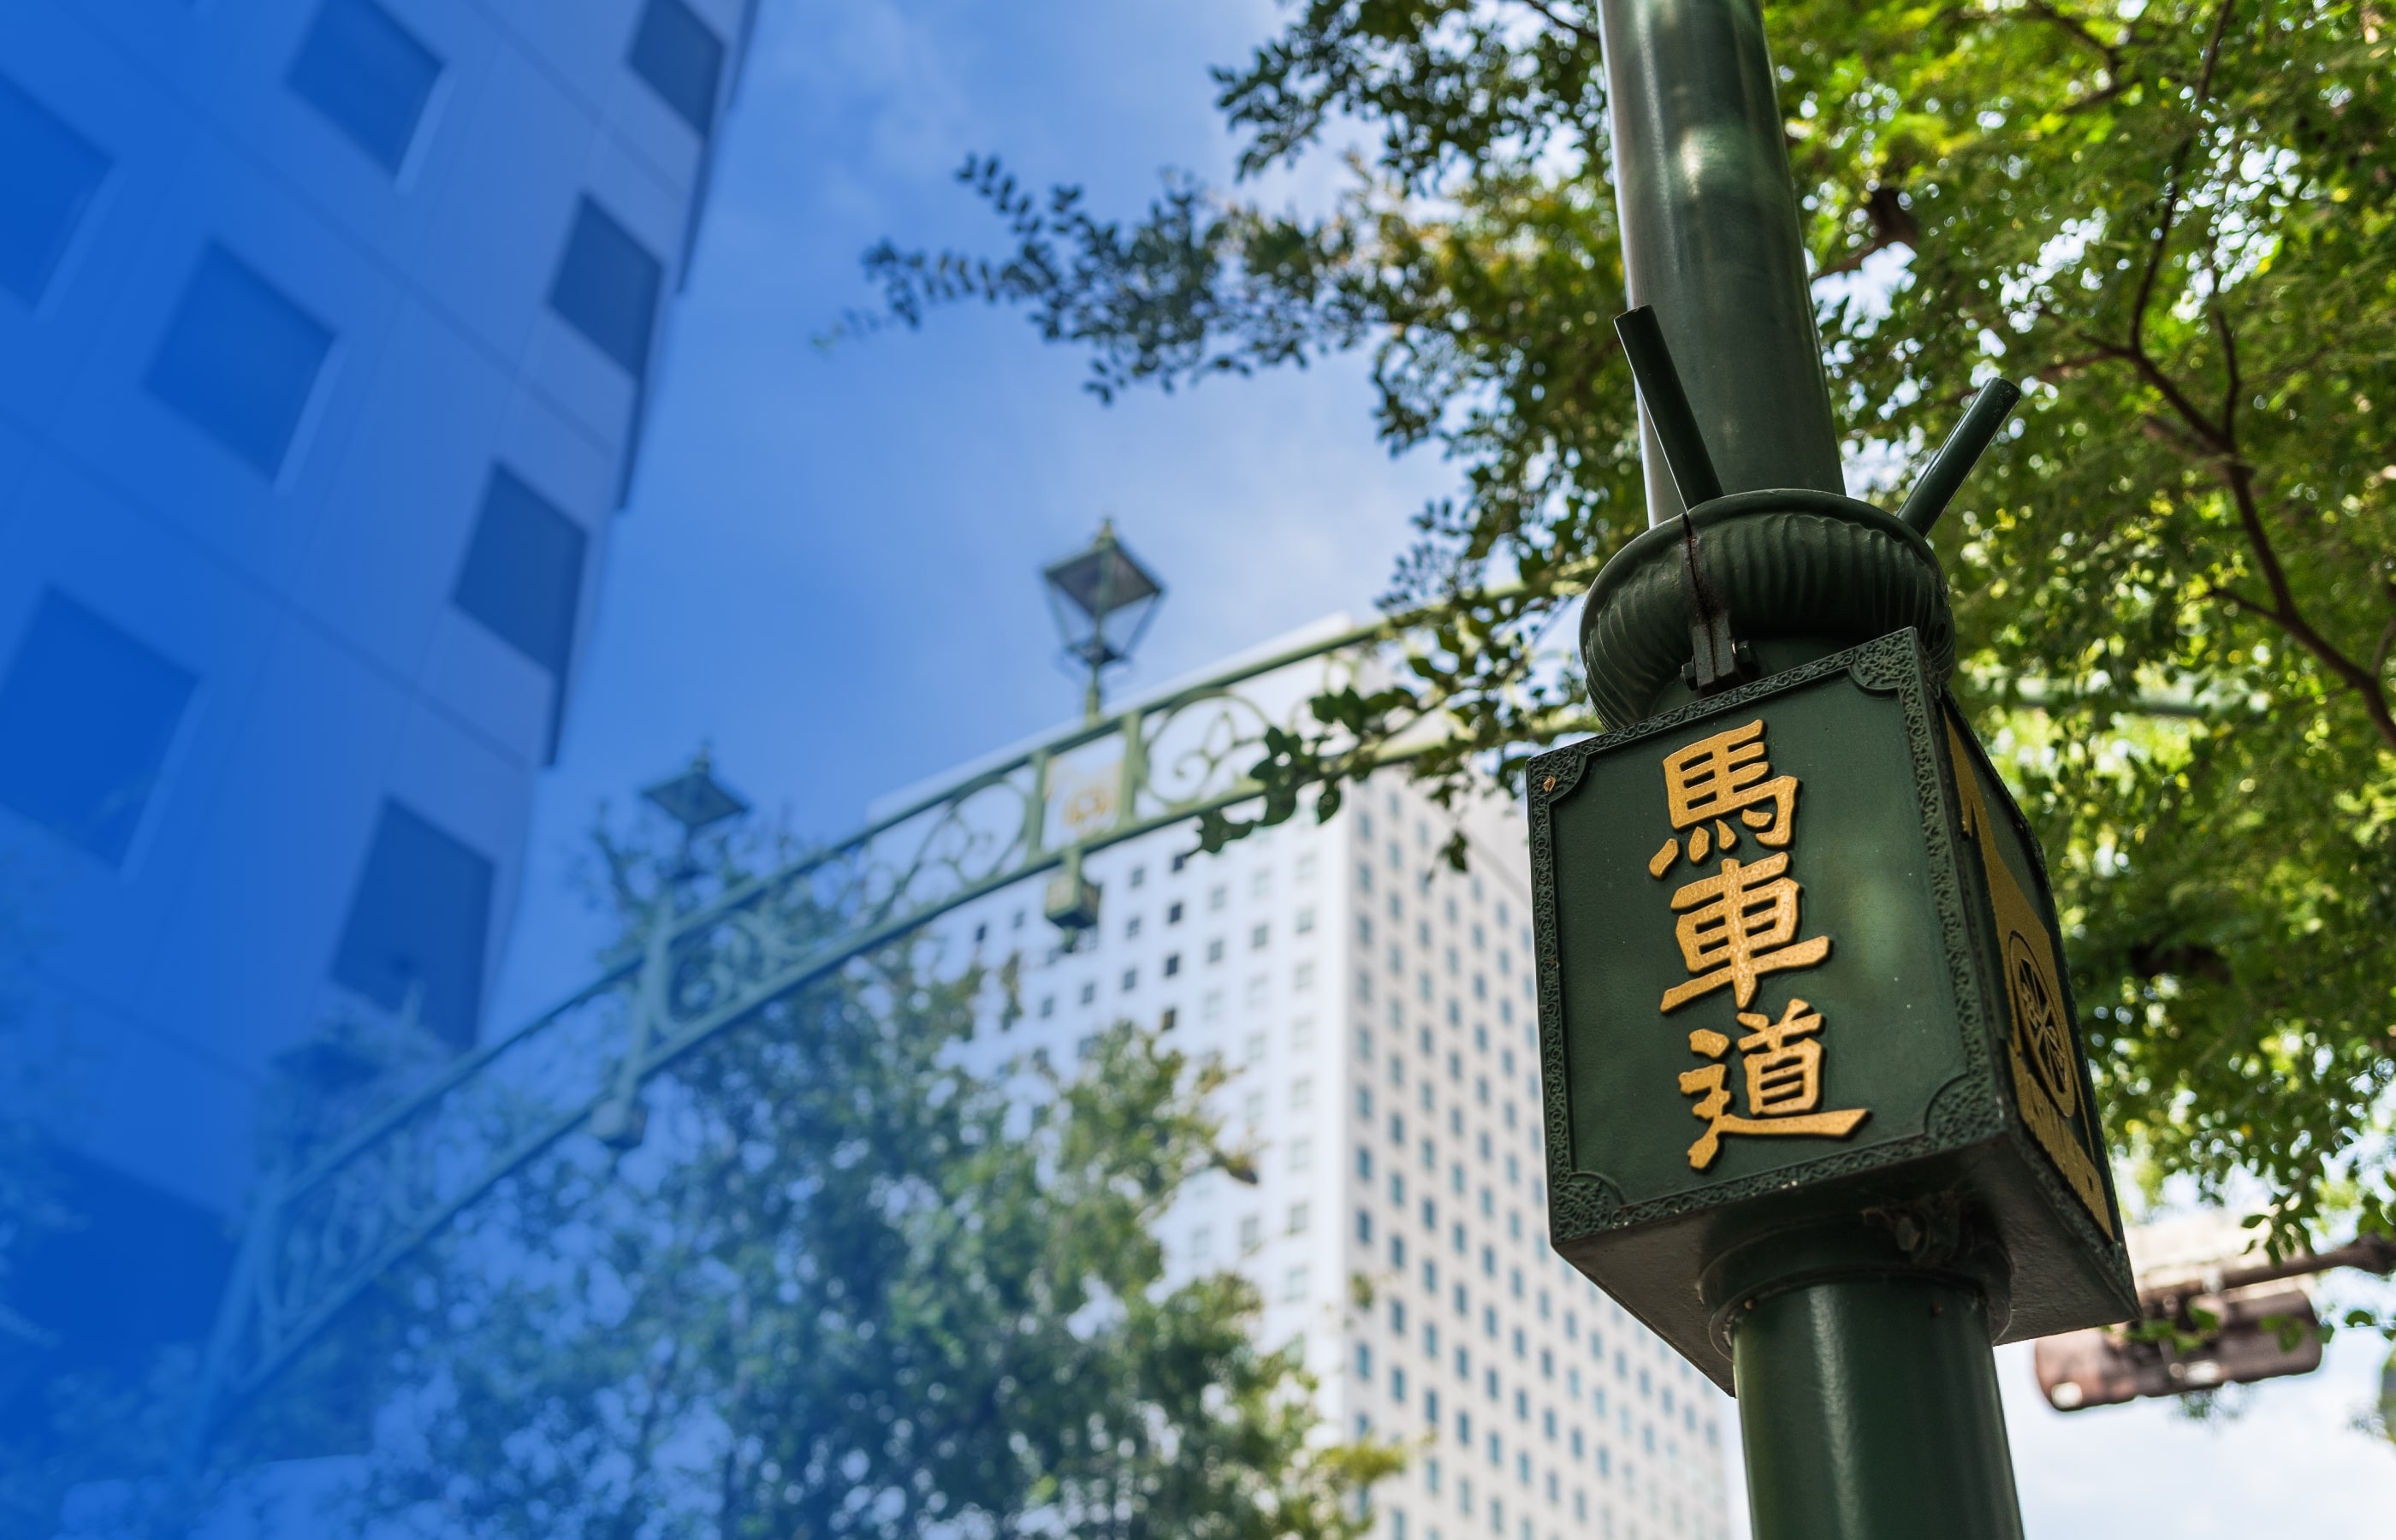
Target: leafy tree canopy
2176,580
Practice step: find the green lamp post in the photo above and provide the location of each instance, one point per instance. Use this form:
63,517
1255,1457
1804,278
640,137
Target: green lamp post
1817,1109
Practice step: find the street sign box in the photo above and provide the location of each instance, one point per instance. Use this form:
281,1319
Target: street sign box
1799,977
2256,1334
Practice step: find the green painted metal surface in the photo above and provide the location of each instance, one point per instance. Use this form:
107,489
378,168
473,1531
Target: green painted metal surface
1886,1420
1709,238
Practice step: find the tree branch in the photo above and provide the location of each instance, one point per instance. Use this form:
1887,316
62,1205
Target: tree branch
2287,616
2075,28
2172,182
2233,387
1580,29
1892,224
2136,355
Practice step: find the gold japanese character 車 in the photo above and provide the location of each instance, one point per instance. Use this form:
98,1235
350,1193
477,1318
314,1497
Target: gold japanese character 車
1738,925
1783,1065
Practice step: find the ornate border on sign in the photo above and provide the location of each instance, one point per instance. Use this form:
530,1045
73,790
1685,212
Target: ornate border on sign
1963,1111
2036,1162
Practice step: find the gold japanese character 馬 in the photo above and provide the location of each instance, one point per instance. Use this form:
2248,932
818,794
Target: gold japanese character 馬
1738,925
1783,1065
1716,778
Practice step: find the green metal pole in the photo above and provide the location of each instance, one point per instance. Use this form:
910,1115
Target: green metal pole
1868,1395
1868,1410
1709,238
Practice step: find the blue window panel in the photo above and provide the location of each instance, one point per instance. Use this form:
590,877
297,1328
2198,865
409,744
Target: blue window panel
239,360
680,57
523,574
118,1270
608,289
88,713
522,578
368,74
417,924
48,174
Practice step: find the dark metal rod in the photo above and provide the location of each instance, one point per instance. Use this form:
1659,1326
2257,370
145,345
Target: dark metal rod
2371,1254
1711,238
1959,454
1668,406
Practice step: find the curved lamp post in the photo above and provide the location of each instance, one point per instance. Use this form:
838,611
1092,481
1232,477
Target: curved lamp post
698,801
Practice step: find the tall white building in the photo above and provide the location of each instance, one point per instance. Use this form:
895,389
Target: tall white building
1378,1008
327,328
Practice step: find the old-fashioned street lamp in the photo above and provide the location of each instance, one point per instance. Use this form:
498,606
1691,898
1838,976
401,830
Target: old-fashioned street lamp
1103,600
694,798
697,801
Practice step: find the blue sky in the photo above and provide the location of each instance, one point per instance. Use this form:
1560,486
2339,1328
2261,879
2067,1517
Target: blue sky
829,566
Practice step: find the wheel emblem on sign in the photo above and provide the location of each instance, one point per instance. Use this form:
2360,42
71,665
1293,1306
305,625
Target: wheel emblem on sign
2044,1039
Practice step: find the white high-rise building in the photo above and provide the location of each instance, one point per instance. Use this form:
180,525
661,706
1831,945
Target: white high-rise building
1379,1010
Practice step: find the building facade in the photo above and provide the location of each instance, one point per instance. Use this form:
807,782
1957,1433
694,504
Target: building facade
326,330
1378,1009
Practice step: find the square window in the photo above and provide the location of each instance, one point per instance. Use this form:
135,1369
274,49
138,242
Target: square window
49,175
103,709
368,74
523,573
681,58
418,926
239,360
608,289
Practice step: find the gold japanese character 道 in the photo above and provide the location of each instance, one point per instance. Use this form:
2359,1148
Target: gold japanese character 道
1783,1064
